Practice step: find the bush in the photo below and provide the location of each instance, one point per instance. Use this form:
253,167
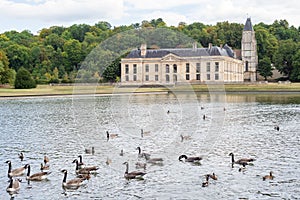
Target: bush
24,79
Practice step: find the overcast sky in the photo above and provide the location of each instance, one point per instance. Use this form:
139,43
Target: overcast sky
34,15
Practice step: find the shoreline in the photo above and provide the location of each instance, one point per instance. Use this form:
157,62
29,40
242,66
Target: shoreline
147,93
98,90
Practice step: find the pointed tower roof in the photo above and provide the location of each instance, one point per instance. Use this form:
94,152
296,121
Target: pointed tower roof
248,25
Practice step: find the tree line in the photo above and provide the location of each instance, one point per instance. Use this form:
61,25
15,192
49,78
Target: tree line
57,54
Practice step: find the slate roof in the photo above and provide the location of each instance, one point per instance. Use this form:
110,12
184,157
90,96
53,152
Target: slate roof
184,52
248,25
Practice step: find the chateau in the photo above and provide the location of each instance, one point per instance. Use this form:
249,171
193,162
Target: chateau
193,65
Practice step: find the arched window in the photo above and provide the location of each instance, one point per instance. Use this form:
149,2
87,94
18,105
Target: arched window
175,68
247,66
167,68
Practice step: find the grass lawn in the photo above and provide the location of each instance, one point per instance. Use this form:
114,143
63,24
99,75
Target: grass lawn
88,89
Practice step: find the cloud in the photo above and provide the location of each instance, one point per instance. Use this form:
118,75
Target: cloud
37,14
63,11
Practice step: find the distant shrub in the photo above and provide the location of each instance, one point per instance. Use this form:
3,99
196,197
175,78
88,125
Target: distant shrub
24,80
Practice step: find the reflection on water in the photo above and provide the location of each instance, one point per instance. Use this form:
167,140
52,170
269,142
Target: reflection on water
62,128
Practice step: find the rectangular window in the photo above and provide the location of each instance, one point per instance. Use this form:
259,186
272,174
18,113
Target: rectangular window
156,77
126,69
208,66
127,78
216,76
197,67
167,69
167,78
134,68
187,67
208,77
198,77
134,77
187,77
175,68
147,68
216,66
147,77
156,67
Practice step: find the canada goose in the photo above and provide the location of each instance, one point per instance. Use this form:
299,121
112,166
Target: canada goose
85,170
132,175
270,177
122,152
71,184
14,185
276,128
153,160
205,184
46,159
109,135
90,151
187,137
44,167
37,176
21,156
144,132
240,161
139,165
80,163
15,172
140,152
190,159
213,176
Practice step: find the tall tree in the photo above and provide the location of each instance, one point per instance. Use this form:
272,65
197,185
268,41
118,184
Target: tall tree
7,75
73,54
283,58
18,56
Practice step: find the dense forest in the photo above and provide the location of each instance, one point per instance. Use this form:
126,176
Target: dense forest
85,52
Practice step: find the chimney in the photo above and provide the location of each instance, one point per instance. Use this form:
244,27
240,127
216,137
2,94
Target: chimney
143,50
195,46
209,45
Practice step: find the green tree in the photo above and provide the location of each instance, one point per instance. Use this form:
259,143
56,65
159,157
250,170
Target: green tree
7,75
73,54
265,67
113,71
295,74
283,58
18,56
267,44
24,79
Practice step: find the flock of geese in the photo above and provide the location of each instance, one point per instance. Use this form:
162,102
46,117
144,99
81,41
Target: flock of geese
83,171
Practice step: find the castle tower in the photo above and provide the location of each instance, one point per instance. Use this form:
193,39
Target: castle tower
249,52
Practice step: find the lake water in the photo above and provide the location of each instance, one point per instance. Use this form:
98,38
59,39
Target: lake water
62,127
